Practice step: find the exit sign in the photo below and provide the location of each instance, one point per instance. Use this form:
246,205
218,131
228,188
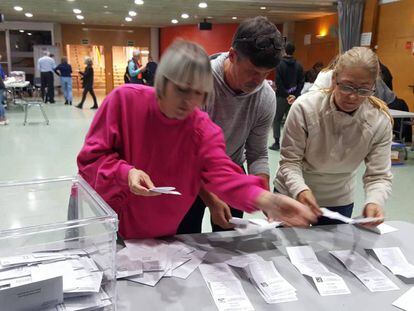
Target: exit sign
130,43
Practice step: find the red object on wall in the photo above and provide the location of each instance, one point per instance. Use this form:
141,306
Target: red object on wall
408,45
216,40
213,41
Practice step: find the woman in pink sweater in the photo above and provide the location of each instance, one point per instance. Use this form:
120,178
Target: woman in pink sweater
142,137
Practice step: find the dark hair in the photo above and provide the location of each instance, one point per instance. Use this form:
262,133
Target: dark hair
259,40
290,48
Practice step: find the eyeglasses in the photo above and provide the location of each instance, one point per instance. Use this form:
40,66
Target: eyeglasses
262,42
348,89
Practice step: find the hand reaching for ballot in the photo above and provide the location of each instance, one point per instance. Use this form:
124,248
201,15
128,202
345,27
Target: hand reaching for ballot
373,210
221,214
307,198
140,183
279,207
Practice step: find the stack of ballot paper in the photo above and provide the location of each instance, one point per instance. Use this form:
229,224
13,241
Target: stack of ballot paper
305,260
352,221
81,277
253,226
148,261
265,278
225,288
394,259
372,278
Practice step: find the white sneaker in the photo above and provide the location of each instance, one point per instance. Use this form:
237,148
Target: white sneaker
7,122
2,122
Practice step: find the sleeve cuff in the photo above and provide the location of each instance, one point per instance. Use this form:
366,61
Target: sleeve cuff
298,190
252,198
122,175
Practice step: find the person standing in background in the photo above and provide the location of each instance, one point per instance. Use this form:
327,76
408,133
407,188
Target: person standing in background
87,83
46,65
135,69
64,70
3,120
3,77
289,82
386,75
150,72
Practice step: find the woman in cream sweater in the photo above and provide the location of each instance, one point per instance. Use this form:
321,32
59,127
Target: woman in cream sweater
329,133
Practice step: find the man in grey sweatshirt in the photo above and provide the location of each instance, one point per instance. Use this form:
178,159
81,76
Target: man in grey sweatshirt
243,105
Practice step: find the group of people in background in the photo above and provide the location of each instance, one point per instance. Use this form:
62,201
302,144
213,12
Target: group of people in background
140,74
206,118
47,66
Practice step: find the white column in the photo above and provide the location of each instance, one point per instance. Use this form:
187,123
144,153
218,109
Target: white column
155,44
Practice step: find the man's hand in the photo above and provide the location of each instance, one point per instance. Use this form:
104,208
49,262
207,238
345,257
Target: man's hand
140,183
279,207
219,210
373,210
221,214
291,99
307,198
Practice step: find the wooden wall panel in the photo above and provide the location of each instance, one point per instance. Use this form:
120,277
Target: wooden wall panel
395,29
107,36
322,49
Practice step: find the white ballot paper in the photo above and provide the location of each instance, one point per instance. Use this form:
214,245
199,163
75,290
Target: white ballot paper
372,278
394,259
352,221
327,283
269,283
161,259
406,301
226,290
243,261
183,271
43,294
165,190
126,265
381,229
253,226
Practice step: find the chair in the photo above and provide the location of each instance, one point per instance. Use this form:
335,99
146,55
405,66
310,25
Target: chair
35,100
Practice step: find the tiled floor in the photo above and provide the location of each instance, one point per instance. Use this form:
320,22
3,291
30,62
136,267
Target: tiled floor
40,151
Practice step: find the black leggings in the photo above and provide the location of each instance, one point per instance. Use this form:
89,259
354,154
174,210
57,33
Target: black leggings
85,91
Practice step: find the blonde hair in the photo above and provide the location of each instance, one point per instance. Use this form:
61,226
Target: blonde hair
365,58
185,64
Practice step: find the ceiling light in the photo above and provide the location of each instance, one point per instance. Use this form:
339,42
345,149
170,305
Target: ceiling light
70,0
28,14
77,11
80,17
202,5
262,8
29,33
139,2
18,8
174,21
185,15
105,6
83,23
128,19
21,30
132,13
234,17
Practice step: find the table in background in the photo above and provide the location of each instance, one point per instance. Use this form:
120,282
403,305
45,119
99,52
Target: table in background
399,114
174,294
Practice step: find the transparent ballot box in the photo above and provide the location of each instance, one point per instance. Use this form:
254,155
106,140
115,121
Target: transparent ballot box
58,231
